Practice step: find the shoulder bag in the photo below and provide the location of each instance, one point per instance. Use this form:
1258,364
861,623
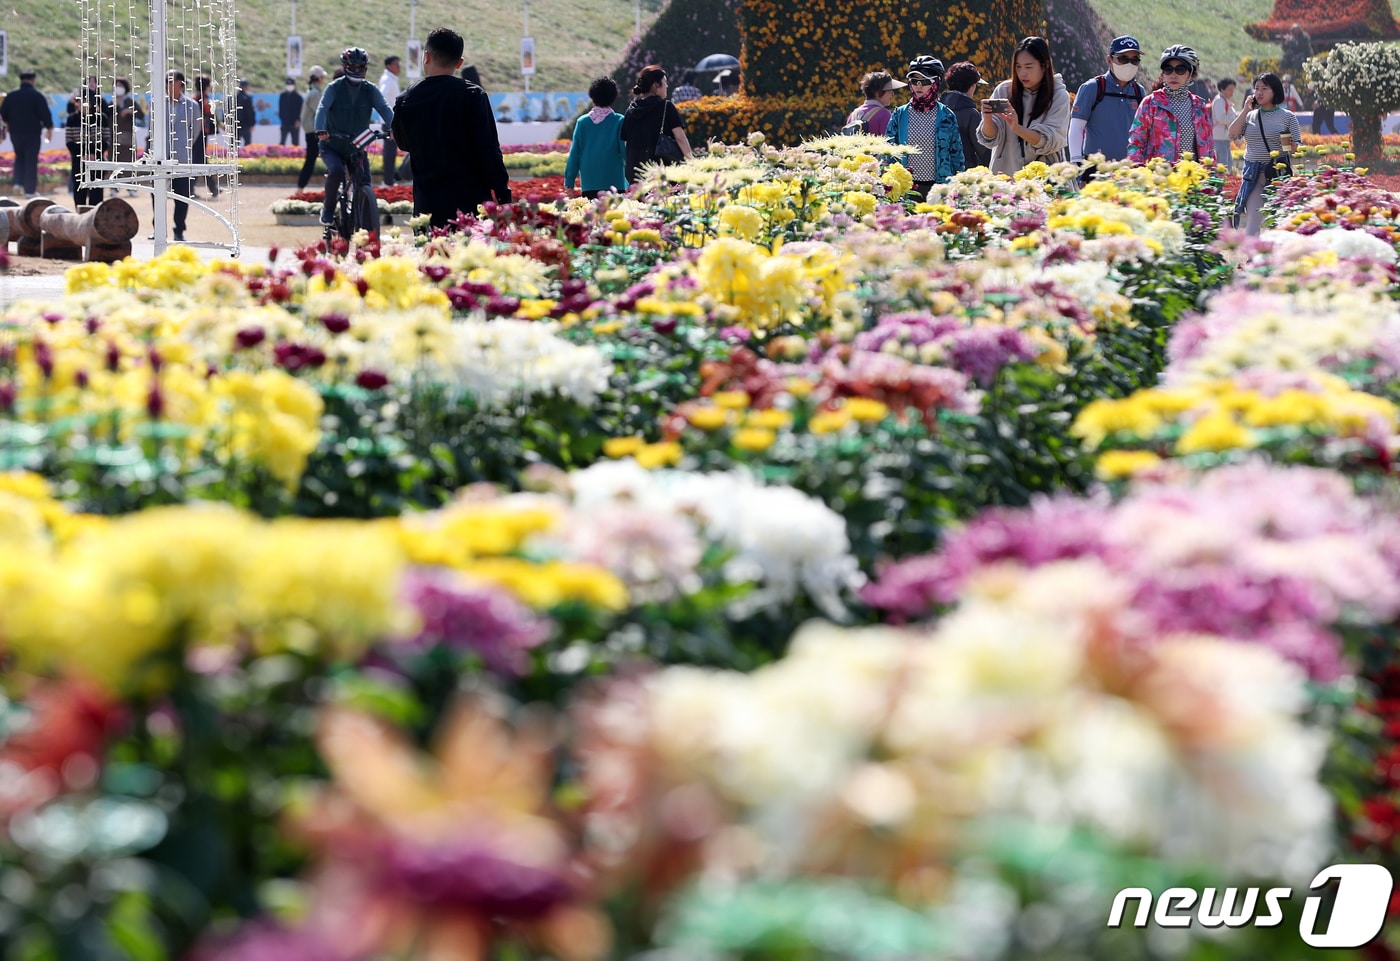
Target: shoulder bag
667,150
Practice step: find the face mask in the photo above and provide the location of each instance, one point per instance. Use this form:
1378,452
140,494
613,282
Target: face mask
1123,72
291,86
121,91
354,81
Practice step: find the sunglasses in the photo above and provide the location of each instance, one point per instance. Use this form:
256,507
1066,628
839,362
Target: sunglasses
1126,60
1177,68
921,83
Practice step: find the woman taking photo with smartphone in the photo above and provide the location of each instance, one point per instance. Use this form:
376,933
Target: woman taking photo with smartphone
1270,131
1027,117
1172,121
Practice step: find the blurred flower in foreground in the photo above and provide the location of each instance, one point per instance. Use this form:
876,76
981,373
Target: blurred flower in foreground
442,857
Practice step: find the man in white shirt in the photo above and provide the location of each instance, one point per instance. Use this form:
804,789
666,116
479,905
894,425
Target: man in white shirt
389,87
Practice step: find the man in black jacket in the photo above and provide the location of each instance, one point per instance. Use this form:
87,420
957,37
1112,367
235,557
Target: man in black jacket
448,127
289,104
26,112
247,114
961,78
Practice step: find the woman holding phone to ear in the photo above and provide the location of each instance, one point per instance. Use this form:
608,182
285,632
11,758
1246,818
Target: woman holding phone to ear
1270,131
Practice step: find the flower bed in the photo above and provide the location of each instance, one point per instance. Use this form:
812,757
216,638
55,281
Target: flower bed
910,563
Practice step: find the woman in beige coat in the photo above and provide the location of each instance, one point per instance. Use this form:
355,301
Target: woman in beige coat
1035,125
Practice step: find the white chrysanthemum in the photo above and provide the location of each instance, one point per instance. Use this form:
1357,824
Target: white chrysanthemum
503,359
781,538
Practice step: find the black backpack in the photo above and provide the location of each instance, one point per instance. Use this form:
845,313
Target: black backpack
1136,94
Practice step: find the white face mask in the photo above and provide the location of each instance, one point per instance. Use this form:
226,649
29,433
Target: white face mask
353,80
291,86
1124,72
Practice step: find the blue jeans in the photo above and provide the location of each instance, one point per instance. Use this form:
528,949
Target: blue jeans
335,175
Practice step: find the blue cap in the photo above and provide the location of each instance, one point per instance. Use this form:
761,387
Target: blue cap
1120,44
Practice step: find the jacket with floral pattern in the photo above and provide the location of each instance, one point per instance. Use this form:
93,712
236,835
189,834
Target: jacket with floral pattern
1154,133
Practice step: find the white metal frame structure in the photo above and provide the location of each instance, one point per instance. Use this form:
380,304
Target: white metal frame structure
145,40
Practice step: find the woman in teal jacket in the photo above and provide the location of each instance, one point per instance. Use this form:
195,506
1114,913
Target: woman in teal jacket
929,125
598,154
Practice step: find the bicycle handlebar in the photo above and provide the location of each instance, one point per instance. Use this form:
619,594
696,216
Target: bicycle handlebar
374,135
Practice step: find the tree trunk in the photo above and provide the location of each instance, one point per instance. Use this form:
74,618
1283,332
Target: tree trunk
9,224
1366,136
29,217
110,223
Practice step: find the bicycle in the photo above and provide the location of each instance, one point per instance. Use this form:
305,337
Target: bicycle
355,206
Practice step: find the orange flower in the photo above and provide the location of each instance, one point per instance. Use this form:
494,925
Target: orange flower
451,851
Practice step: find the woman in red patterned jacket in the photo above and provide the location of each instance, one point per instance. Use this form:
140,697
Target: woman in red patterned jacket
1173,121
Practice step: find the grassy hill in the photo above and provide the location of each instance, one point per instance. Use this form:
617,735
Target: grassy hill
1212,27
576,40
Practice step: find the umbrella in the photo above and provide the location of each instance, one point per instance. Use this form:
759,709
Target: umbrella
716,61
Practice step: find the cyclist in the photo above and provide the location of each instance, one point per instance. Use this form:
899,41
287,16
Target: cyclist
342,116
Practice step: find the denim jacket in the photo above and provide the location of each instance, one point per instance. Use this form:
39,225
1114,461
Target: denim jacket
949,157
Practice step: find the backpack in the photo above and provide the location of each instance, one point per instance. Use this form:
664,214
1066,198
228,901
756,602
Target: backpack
857,124
1137,95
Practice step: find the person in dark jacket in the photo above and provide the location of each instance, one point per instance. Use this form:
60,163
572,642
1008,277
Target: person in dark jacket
649,116
247,114
26,112
289,104
88,134
448,127
961,79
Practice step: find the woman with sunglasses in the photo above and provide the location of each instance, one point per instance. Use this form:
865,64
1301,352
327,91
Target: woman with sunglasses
1270,132
1035,124
929,125
1173,122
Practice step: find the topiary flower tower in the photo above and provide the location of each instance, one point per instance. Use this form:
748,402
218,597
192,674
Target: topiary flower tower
802,60
1329,22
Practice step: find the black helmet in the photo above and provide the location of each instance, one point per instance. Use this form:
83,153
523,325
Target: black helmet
355,60
1183,53
926,65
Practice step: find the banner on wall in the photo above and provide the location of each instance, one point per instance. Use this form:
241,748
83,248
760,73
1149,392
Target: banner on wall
527,56
294,56
414,56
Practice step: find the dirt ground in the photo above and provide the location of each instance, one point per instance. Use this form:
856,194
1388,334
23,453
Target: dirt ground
257,227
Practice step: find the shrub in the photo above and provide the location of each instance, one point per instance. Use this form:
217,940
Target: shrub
1364,80
1078,39
819,50
783,120
684,33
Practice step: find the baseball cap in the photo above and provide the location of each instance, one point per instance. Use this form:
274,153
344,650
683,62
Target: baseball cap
27,75
1121,44
895,84
318,71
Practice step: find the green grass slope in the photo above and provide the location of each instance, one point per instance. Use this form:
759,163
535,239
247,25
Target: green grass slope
575,40
1213,27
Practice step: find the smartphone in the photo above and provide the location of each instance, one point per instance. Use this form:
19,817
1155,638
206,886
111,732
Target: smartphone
997,104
